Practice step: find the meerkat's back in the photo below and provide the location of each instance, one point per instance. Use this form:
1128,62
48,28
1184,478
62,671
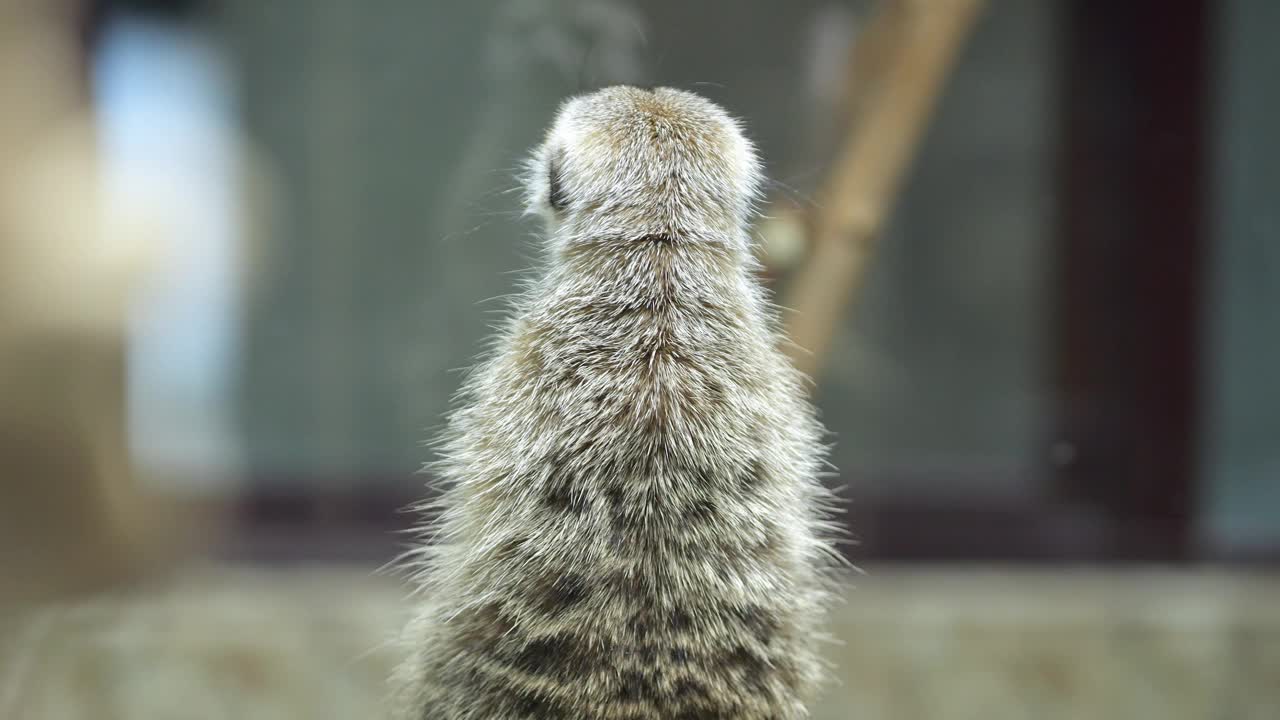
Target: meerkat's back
631,518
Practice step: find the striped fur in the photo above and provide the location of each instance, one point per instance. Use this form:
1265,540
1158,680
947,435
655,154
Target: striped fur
632,526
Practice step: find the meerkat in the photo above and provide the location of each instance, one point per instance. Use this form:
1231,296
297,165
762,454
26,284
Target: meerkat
632,523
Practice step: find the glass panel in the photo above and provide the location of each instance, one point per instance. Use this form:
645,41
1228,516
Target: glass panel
397,135
1242,341
941,368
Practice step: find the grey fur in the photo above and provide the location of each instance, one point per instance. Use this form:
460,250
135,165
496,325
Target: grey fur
631,524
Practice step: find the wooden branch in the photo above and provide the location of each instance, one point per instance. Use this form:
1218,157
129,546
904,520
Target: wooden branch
870,55
878,148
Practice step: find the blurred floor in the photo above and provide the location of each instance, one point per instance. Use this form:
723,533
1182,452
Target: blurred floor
955,644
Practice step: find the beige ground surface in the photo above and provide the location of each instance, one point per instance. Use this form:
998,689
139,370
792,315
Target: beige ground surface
948,645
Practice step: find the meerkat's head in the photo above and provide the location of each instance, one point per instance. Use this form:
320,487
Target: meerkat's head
632,162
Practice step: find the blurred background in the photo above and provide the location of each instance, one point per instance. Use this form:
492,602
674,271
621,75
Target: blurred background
1031,249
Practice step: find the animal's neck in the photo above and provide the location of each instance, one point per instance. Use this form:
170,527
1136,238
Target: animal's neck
657,272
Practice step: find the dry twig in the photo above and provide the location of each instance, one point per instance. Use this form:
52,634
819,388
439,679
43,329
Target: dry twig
910,46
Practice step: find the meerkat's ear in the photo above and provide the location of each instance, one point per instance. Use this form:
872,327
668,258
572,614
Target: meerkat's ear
557,197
